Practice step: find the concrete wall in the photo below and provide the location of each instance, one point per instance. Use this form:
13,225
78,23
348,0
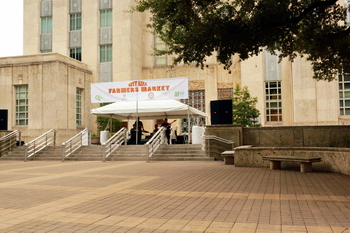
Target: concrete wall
228,132
279,136
284,136
333,159
298,136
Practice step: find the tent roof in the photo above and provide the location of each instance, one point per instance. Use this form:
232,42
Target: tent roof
151,109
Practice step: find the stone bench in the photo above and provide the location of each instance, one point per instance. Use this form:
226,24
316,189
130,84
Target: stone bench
305,163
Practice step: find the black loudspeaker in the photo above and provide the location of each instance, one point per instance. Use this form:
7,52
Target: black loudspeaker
221,112
3,119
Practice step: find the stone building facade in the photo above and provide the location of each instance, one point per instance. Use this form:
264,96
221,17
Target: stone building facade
43,92
116,46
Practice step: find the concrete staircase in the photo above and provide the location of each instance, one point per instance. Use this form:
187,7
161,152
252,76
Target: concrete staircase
176,152
17,153
181,152
47,154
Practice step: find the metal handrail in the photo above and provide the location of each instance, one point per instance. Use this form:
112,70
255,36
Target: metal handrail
114,142
154,143
212,137
8,141
75,143
40,143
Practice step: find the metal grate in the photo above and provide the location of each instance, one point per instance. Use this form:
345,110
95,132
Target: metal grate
106,36
272,67
75,39
106,72
106,4
74,6
46,8
46,42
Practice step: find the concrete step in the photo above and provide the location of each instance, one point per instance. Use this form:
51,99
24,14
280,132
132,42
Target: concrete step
176,152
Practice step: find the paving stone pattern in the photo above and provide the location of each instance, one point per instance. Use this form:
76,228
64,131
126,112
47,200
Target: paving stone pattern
40,196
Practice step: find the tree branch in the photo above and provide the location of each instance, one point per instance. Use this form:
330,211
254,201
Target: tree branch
312,7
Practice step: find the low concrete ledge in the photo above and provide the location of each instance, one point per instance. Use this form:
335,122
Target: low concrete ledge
333,159
229,158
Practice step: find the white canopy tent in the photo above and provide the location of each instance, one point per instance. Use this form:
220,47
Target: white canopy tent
151,109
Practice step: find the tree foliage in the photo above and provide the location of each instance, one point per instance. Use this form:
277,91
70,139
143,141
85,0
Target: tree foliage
195,29
243,105
105,123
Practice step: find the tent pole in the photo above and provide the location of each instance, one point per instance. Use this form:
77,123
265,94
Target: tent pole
137,118
189,124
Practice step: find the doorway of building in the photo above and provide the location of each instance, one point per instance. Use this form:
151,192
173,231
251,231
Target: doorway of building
3,119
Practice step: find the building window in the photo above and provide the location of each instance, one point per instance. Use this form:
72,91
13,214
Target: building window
273,101
22,105
75,53
79,106
75,22
225,94
46,25
105,18
105,53
159,44
344,94
46,51
347,12
196,99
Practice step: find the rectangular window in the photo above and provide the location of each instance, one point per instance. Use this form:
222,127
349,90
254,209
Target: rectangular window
196,99
159,44
79,106
22,105
75,53
75,22
46,51
344,94
273,101
105,18
105,53
46,25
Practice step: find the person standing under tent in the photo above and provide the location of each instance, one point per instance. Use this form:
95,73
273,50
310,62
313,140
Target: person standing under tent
132,139
173,135
139,125
167,127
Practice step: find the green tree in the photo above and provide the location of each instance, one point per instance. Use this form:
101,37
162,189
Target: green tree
243,105
105,123
195,29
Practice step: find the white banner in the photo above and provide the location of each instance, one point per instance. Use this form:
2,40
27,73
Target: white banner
158,89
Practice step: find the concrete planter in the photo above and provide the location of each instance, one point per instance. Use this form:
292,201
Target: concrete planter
95,140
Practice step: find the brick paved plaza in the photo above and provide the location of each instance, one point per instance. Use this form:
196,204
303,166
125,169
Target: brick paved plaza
169,197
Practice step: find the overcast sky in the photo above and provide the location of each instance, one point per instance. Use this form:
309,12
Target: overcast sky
11,28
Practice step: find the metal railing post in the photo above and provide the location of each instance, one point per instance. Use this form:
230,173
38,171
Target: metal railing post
25,153
54,137
147,152
89,137
63,151
104,153
20,137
